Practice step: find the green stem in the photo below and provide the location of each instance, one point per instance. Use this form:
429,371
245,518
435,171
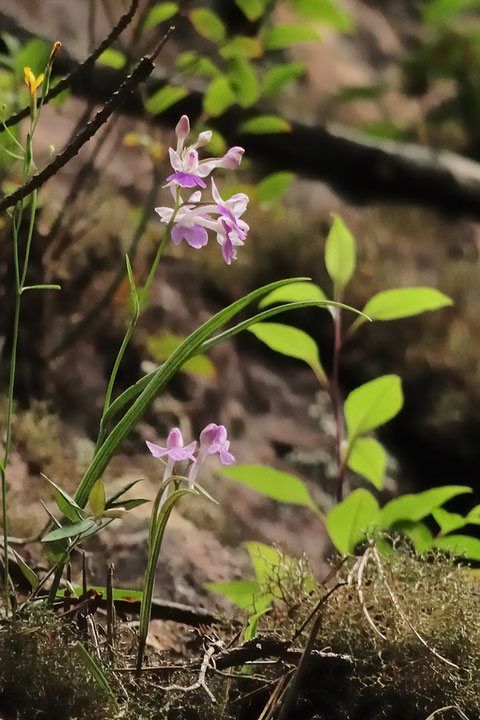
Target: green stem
55,585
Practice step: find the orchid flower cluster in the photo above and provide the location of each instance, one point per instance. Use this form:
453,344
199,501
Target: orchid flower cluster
190,219
213,439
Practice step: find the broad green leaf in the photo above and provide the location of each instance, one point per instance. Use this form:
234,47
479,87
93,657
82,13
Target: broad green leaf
282,36
96,499
440,12
27,571
144,392
418,533
296,292
266,560
448,521
416,506
273,483
251,629
112,58
197,64
404,302
159,13
163,346
252,9
350,520
34,54
57,552
165,98
373,404
280,76
340,253
272,187
324,11
460,546
241,592
242,46
218,96
264,124
208,24
367,458
69,531
243,80
473,516
290,341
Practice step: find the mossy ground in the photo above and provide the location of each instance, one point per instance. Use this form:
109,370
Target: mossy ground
408,626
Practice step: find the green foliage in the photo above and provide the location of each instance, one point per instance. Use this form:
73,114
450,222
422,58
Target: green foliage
404,302
243,80
367,458
417,506
448,521
242,46
242,593
373,404
340,254
459,546
440,12
165,98
264,124
279,76
34,54
96,499
252,9
271,189
350,520
218,96
112,58
290,341
208,24
163,346
159,13
273,483
283,36
324,11
296,292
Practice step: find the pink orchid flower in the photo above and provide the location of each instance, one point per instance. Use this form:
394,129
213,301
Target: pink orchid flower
213,439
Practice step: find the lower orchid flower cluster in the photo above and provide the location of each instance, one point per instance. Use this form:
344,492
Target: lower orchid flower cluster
213,439
190,219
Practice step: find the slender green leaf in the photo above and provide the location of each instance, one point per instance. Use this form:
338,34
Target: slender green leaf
96,498
252,626
290,341
294,293
65,503
280,76
373,404
265,124
118,594
159,13
158,380
273,187
252,9
448,521
243,80
350,520
340,253
112,58
218,96
111,500
460,546
165,98
282,36
27,571
96,673
273,483
417,506
69,531
367,458
208,24
404,302
324,11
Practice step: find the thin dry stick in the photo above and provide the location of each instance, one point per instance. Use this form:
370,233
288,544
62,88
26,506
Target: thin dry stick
201,682
362,563
142,71
89,62
402,614
455,708
110,614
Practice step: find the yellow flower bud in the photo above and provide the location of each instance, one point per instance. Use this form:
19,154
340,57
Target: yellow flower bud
32,82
